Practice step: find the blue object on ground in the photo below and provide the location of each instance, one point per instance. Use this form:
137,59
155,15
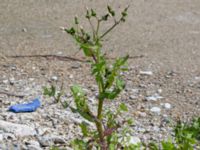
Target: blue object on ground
28,107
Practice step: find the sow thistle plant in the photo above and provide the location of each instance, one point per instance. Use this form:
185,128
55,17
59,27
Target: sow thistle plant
110,134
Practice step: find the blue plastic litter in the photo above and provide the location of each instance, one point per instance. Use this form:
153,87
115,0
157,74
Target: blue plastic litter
28,107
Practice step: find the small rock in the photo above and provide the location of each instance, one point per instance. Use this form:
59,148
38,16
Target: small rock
135,140
1,137
75,66
32,142
154,97
34,147
197,78
31,79
8,136
156,110
24,30
167,106
133,97
159,90
48,141
44,142
54,78
5,81
142,114
140,129
60,53
12,81
148,73
156,129
17,129
58,140
71,76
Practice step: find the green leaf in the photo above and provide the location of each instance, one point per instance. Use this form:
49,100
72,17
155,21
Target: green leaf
123,107
54,148
81,103
84,129
78,144
89,50
110,94
110,80
168,145
112,147
120,84
124,14
129,121
121,61
153,146
49,91
105,17
93,13
71,31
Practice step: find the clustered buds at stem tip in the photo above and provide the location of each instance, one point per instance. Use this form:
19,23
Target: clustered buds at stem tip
76,20
111,11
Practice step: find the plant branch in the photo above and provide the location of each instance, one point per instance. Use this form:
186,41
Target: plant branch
110,29
93,30
98,25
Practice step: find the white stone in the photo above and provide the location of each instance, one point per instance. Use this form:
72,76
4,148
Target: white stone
159,90
31,79
156,110
154,97
133,97
5,81
1,137
17,129
71,76
197,78
55,78
60,53
148,73
167,106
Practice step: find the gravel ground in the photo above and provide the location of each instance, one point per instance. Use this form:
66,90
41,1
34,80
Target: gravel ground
162,86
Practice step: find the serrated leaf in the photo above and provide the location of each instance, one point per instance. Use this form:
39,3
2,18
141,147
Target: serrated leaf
120,84
81,103
123,107
88,49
